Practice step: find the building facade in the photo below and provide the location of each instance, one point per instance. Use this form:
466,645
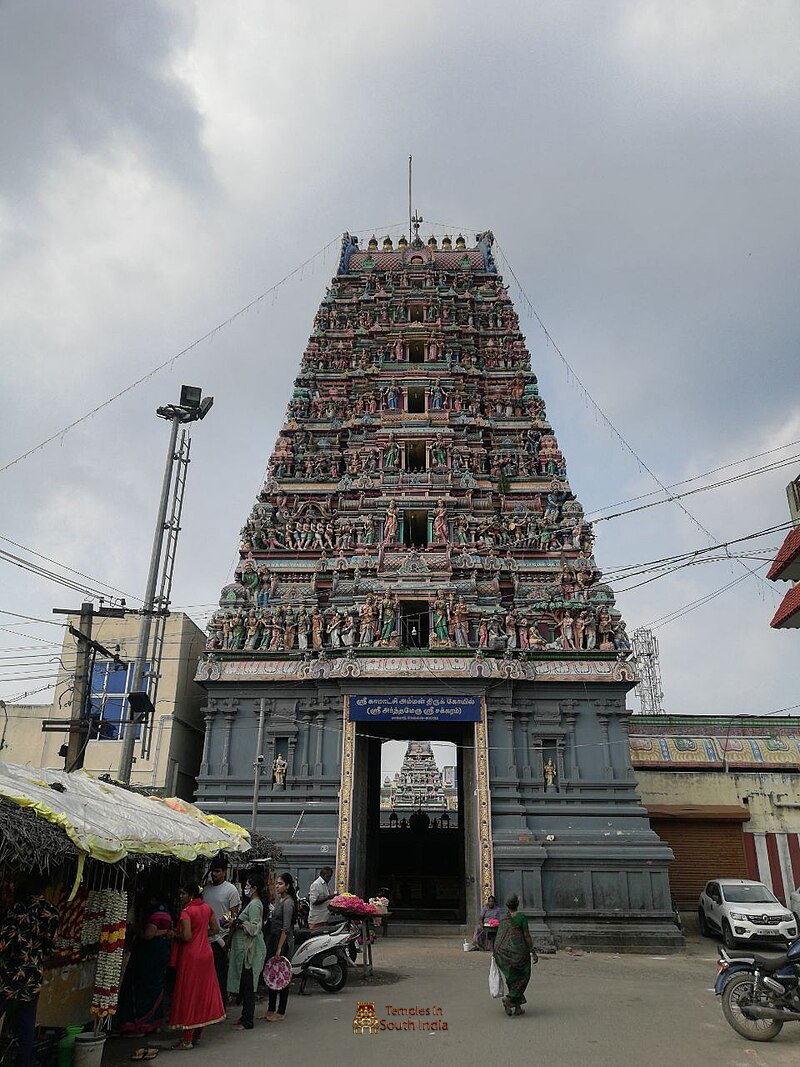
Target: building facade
416,567
168,747
724,793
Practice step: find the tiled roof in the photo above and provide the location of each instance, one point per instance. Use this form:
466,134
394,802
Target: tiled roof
788,614
789,554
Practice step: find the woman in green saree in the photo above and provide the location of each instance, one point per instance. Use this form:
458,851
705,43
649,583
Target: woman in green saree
248,951
513,954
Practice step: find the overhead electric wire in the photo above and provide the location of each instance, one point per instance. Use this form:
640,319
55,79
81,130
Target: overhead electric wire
699,489
623,441
171,360
66,567
696,477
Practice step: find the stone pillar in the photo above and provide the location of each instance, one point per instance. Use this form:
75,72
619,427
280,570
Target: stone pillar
290,757
572,770
526,752
208,718
229,708
305,745
512,764
319,723
608,771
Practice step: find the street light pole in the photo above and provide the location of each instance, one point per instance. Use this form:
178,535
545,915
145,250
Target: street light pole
190,409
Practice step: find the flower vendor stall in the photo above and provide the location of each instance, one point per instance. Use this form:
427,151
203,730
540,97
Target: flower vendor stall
349,906
94,838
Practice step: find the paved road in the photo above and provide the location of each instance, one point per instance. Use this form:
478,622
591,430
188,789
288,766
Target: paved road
584,1009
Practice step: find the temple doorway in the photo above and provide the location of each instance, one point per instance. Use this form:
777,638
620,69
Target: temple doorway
415,839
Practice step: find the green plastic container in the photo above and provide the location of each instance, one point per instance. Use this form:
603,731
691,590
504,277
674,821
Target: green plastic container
66,1046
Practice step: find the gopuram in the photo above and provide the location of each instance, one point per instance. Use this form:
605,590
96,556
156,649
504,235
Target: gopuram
416,567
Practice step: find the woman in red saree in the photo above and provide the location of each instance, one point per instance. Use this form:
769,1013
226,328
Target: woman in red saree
197,1001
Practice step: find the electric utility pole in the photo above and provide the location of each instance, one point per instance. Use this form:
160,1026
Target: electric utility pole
86,648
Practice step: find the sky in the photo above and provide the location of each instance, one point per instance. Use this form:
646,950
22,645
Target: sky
166,164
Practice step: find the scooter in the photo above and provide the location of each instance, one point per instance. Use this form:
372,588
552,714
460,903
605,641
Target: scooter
759,993
325,956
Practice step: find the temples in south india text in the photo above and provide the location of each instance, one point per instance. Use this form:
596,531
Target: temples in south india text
416,567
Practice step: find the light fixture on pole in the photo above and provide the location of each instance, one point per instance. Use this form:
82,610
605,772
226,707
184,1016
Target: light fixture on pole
193,407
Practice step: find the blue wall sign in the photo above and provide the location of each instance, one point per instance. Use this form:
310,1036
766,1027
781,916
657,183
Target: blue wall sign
414,709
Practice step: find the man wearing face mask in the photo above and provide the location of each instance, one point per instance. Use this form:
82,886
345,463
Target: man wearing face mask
223,898
318,896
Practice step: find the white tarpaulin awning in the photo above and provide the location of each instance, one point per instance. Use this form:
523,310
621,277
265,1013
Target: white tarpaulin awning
108,822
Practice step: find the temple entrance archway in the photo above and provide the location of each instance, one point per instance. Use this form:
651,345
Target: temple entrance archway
418,820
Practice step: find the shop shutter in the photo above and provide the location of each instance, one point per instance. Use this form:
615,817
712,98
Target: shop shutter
703,849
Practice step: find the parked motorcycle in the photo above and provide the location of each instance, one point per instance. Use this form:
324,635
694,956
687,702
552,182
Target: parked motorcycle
325,956
759,994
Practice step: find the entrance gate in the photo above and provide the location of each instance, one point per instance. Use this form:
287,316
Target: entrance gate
438,873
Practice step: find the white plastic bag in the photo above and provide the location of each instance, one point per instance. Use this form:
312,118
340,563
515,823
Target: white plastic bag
497,984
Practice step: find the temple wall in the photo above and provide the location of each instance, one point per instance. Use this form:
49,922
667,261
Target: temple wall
579,850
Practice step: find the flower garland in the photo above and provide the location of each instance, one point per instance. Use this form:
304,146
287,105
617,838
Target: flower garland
112,905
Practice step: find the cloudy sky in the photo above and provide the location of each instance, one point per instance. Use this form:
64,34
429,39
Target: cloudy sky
164,164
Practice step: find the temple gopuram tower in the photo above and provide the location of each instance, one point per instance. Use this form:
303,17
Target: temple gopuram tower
417,567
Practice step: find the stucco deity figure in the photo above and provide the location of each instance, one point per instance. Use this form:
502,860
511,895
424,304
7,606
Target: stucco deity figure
253,627
391,454
279,766
535,639
621,639
388,616
438,453
303,628
348,630
511,630
316,629
440,531
392,395
604,630
368,531
550,773
334,630
566,629
461,624
366,615
440,618
390,524
437,398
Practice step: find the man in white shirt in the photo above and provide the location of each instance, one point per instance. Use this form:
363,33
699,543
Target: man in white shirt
318,896
223,898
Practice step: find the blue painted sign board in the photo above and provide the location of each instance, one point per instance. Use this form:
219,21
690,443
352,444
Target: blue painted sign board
414,708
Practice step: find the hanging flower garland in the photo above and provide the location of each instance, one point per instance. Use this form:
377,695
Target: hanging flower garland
114,905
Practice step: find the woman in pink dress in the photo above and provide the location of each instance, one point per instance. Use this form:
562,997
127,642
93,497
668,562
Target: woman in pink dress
197,1001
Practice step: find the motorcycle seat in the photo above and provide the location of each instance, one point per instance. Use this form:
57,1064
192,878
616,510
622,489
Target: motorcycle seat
764,963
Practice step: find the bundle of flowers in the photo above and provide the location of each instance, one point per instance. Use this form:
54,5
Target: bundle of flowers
382,903
350,904
493,922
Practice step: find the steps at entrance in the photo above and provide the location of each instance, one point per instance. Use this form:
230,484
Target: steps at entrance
410,928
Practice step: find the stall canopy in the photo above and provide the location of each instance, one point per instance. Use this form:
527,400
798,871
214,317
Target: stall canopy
108,823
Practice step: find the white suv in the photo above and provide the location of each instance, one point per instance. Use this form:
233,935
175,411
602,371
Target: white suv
743,911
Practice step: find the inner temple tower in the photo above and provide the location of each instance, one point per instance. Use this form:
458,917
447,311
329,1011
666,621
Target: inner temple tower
416,567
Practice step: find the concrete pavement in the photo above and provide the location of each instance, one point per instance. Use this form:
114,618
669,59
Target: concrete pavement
583,1008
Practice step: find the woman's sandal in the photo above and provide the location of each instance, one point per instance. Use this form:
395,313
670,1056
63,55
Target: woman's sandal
507,1007
182,1046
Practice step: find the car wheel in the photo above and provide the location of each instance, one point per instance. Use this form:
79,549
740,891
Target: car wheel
705,930
727,935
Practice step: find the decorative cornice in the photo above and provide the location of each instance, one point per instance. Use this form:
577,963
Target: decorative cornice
212,669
